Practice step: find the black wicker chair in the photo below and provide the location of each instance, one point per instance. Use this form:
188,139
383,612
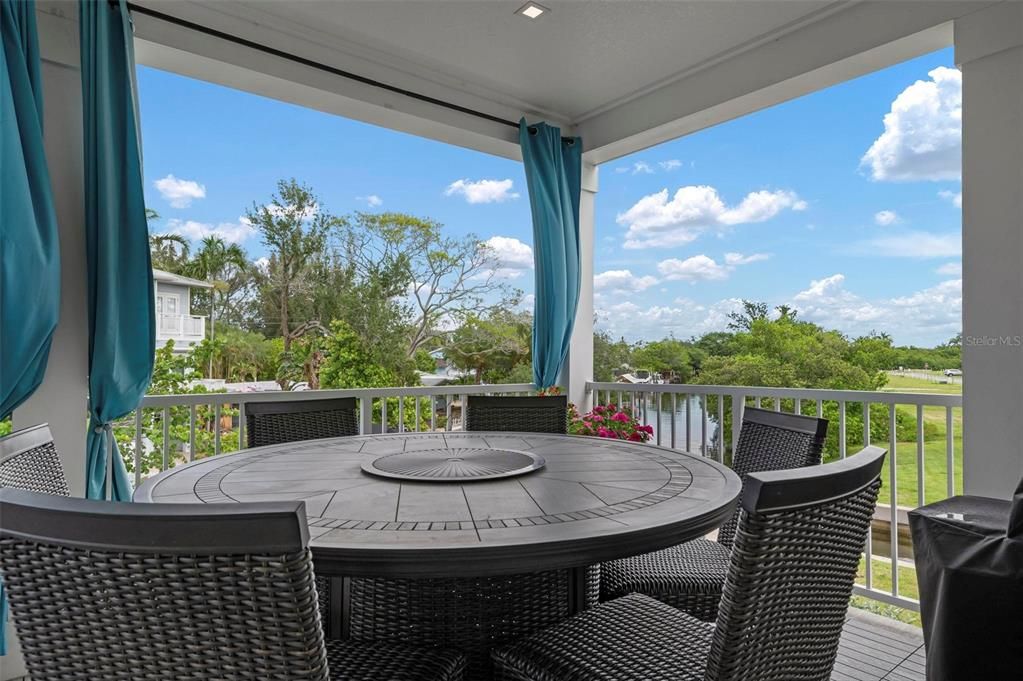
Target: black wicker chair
519,414
690,576
29,461
797,545
271,423
121,592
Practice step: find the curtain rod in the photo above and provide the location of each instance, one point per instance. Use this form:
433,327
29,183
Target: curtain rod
317,65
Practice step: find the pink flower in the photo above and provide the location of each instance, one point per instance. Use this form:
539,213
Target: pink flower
598,418
604,432
649,430
636,437
620,417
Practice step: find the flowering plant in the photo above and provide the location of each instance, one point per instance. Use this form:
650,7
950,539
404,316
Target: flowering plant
610,421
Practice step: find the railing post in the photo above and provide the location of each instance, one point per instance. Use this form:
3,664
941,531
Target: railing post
738,407
366,415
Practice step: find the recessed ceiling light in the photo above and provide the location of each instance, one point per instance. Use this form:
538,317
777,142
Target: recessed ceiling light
531,10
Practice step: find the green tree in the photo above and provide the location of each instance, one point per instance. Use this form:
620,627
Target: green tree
491,346
608,355
442,277
669,357
172,375
169,252
227,268
293,227
788,353
233,354
751,311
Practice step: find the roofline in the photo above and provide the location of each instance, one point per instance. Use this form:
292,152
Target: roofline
171,278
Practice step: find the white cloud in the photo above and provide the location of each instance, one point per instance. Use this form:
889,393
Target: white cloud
886,217
231,232
179,193
704,268
740,259
915,245
951,269
955,198
262,264
670,164
696,268
513,256
682,318
922,317
657,221
922,138
642,167
622,280
373,201
482,191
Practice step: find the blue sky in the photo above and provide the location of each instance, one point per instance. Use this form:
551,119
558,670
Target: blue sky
841,203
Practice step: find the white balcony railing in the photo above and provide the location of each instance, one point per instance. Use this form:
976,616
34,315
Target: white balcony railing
180,326
686,417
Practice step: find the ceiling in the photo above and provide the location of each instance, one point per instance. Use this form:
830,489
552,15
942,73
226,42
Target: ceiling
624,74
578,59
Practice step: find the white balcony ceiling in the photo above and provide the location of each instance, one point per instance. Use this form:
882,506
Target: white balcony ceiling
576,60
623,73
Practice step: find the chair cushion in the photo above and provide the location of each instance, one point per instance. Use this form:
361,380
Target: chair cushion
371,661
630,638
689,576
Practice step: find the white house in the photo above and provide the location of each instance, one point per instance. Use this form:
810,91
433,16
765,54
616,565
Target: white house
174,318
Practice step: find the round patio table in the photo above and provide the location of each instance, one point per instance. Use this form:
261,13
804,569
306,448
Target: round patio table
466,540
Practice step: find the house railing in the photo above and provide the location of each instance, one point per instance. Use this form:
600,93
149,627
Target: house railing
222,415
705,420
173,429
181,325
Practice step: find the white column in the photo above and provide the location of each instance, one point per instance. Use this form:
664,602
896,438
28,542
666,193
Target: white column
578,369
989,49
62,398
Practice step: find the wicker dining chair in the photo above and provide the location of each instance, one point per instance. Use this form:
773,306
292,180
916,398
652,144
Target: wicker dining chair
273,423
137,592
29,461
797,546
519,414
690,576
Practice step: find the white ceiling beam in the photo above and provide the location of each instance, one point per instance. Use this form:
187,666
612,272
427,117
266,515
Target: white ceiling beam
863,38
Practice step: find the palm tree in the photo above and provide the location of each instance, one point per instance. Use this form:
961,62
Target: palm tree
221,264
169,251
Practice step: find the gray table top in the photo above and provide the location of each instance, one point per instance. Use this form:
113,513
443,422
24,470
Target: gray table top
593,500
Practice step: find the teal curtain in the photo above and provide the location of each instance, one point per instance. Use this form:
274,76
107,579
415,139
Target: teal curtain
554,179
122,324
29,248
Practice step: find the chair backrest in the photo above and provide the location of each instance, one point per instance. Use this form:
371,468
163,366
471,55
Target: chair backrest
773,441
271,423
793,563
29,461
519,414
121,592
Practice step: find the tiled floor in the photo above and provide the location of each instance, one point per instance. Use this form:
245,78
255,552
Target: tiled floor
875,648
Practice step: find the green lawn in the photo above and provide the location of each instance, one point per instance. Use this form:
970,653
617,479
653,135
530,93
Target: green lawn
935,462
881,579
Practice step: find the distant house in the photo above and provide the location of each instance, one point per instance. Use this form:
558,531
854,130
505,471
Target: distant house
174,318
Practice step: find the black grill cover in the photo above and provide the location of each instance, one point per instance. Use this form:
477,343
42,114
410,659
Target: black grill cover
969,564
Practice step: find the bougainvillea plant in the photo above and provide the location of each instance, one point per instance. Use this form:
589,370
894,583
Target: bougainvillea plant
605,420
610,421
